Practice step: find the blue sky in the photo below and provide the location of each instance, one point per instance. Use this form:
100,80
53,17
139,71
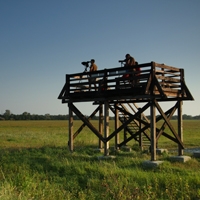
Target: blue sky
42,40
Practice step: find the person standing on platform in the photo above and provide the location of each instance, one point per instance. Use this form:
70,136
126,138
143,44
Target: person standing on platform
129,61
93,67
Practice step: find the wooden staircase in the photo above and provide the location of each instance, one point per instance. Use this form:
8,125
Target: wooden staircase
134,126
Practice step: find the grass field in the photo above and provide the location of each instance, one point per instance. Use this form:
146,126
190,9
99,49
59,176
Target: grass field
35,163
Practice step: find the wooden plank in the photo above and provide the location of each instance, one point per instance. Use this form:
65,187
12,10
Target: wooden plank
170,85
167,67
168,79
71,126
116,127
153,130
106,128
171,73
180,126
171,90
100,124
167,94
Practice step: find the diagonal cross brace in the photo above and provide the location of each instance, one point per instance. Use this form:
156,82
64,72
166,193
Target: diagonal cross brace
169,124
84,124
86,121
128,121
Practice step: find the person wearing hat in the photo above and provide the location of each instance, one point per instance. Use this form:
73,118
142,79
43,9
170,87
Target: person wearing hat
93,67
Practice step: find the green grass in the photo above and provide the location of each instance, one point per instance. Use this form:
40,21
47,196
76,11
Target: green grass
35,163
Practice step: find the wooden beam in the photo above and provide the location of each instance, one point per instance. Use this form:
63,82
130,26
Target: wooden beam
153,130
106,128
169,124
169,113
131,117
116,127
83,125
180,127
71,126
100,124
86,121
160,89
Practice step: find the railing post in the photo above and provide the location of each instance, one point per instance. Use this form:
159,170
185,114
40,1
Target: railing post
153,69
67,89
182,80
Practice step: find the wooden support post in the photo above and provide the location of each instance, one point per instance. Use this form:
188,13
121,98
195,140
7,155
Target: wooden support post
140,135
125,134
116,127
100,124
153,131
125,131
180,126
71,122
106,128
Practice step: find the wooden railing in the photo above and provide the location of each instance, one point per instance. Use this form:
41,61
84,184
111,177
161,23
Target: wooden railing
152,81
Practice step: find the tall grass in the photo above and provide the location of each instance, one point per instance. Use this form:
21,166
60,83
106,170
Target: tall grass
35,163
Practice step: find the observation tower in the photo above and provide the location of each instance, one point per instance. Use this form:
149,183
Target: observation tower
121,95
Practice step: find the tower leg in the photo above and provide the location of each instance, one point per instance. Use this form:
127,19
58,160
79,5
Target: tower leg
71,122
106,128
100,124
153,131
180,126
116,127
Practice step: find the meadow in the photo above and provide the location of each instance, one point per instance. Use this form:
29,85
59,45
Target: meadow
35,163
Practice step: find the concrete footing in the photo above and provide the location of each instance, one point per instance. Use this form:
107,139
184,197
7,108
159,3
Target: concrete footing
180,158
126,148
99,150
106,157
151,164
160,151
196,154
114,149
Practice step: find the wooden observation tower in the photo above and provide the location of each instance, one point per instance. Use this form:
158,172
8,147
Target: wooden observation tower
151,86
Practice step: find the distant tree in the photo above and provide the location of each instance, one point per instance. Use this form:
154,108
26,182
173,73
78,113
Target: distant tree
187,116
196,117
47,116
26,116
7,114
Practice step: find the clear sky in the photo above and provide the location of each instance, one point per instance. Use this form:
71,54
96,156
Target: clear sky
42,40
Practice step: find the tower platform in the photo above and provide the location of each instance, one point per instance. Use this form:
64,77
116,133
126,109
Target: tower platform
153,81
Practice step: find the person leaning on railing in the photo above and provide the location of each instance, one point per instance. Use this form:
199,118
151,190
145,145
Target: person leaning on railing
93,67
129,61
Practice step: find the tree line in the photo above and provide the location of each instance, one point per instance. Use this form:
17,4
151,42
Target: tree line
27,116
